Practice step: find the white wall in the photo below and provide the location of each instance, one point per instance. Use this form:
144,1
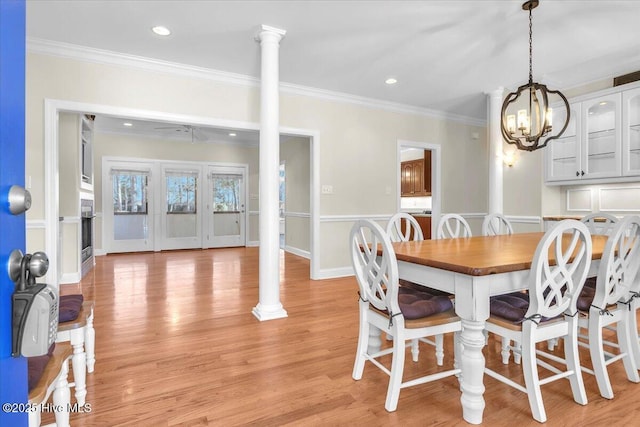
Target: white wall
357,143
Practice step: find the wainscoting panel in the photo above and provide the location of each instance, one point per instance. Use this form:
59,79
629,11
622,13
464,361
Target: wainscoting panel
622,199
579,200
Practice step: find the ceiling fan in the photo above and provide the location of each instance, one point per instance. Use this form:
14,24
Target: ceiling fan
197,134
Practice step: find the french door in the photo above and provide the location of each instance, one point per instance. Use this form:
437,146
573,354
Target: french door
181,212
226,206
129,219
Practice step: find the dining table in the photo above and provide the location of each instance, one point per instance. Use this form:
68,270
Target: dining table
473,269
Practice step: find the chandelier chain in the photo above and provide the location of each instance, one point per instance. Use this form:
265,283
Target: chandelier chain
530,46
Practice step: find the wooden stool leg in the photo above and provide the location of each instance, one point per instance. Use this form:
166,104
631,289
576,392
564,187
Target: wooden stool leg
62,397
90,343
79,364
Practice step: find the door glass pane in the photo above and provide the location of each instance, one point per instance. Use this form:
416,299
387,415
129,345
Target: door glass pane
601,137
130,206
564,150
226,205
181,204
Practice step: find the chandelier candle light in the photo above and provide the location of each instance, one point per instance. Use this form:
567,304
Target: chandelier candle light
526,116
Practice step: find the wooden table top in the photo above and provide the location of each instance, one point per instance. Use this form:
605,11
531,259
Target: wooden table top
480,256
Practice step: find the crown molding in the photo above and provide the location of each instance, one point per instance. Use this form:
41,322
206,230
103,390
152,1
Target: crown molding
101,56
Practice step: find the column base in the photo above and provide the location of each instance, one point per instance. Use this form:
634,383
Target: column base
262,312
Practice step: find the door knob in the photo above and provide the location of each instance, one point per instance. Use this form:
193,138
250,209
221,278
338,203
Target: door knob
19,200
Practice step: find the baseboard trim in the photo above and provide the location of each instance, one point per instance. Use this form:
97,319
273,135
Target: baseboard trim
298,252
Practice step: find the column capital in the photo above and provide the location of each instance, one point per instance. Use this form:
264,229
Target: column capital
497,92
267,32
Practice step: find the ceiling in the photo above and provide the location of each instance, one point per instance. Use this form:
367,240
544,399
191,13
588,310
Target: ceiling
444,54
176,132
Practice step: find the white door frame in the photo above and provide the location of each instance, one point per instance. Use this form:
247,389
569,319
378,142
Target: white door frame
52,107
436,173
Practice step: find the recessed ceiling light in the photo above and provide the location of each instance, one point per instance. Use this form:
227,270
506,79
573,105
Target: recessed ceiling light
127,124
232,134
391,81
161,30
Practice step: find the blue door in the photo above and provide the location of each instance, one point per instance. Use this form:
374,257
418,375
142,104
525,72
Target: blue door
13,371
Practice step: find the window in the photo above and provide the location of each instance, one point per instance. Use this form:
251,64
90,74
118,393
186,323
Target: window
181,192
226,192
129,192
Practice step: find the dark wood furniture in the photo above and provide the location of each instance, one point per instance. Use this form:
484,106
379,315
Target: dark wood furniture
415,177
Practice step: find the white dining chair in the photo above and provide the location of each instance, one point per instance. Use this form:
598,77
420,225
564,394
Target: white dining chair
555,283
403,227
451,226
607,305
405,316
495,224
600,222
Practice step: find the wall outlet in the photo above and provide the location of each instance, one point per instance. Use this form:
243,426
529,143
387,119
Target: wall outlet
327,189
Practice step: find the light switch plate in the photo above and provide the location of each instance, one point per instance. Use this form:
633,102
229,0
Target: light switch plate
327,189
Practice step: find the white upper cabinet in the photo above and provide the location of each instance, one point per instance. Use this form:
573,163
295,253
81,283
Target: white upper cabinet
631,132
564,153
602,141
602,137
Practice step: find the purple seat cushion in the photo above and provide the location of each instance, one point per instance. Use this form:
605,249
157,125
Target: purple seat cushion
586,298
590,282
69,307
512,306
36,366
416,304
417,287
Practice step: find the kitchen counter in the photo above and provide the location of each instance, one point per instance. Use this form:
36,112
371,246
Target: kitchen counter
562,217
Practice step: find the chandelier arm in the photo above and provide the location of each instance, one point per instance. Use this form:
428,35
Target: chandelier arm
566,122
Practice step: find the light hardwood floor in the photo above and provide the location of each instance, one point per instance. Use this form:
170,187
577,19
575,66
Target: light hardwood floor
177,345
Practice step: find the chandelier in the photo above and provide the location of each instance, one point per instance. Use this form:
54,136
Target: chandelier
526,118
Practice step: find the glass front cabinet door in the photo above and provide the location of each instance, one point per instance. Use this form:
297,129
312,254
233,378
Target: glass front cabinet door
563,154
601,149
631,132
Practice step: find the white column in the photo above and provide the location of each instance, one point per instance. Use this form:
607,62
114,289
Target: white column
495,151
269,306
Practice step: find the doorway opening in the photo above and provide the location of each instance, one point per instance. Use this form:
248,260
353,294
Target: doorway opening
282,195
53,108
426,203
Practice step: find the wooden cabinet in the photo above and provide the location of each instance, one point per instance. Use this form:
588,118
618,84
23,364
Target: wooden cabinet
427,172
415,178
425,225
